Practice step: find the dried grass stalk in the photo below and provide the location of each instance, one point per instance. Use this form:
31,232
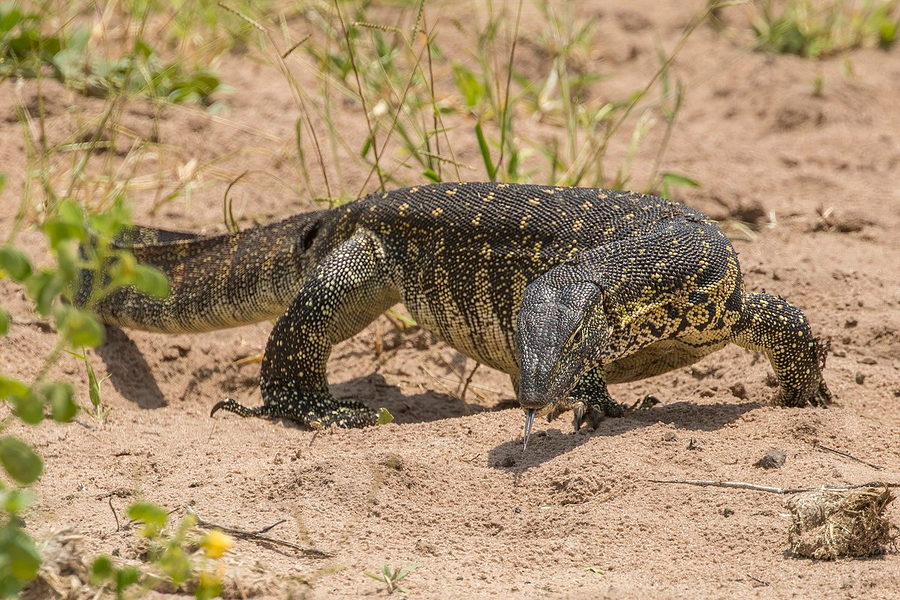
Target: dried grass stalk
826,525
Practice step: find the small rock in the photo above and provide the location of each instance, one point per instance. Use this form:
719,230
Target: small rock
707,393
868,360
773,459
738,391
850,323
669,436
860,378
727,512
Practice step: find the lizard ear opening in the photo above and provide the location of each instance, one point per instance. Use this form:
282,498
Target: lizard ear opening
310,234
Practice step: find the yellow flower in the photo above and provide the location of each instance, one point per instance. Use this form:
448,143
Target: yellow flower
215,543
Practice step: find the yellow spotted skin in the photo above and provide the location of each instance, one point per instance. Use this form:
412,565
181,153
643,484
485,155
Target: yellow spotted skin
460,258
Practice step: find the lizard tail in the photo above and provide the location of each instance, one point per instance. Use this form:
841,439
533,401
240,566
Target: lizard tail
215,282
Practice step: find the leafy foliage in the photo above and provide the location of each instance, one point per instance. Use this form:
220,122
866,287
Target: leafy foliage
25,51
820,28
169,557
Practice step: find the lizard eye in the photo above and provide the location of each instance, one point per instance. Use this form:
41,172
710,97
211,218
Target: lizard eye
577,336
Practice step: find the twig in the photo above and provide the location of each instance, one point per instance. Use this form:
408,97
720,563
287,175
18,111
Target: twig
462,395
757,580
740,485
846,455
257,535
112,508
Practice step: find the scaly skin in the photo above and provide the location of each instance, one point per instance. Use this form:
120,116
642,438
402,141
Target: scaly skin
564,289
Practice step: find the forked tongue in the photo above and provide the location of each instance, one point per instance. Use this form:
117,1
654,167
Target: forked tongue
529,421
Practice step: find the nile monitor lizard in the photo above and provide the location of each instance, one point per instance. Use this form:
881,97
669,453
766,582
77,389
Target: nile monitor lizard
564,289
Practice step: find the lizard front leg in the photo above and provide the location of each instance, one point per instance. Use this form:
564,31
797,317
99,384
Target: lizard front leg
346,292
590,400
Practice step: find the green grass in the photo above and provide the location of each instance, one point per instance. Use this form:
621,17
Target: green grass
822,28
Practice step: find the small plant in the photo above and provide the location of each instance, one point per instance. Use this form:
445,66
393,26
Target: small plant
25,51
820,28
392,577
169,556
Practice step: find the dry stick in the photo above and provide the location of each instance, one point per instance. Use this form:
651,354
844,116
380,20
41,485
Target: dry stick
740,485
257,535
394,121
509,72
434,108
846,455
112,508
362,96
295,89
595,152
465,389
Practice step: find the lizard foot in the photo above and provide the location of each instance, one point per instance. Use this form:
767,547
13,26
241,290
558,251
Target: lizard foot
820,397
313,410
645,403
588,410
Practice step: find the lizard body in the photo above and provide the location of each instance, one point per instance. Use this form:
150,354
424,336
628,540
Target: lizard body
564,289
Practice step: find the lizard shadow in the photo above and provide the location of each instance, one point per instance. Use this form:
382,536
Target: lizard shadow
547,444
416,408
128,370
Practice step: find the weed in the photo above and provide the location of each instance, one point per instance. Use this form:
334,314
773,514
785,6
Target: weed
820,28
169,557
391,578
26,51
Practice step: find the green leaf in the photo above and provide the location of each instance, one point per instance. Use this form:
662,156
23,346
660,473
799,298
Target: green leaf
125,578
67,261
11,387
431,175
79,327
19,460
151,281
485,152
4,321
208,588
102,569
676,179
93,386
60,396
16,501
20,557
14,262
176,564
153,516
29,407
384,416
66,224
44,287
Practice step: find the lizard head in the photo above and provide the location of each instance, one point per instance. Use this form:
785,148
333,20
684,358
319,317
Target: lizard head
561,334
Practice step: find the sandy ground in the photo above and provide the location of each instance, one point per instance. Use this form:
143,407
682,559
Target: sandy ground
447,487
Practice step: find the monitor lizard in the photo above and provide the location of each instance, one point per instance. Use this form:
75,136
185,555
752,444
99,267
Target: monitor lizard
565,289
